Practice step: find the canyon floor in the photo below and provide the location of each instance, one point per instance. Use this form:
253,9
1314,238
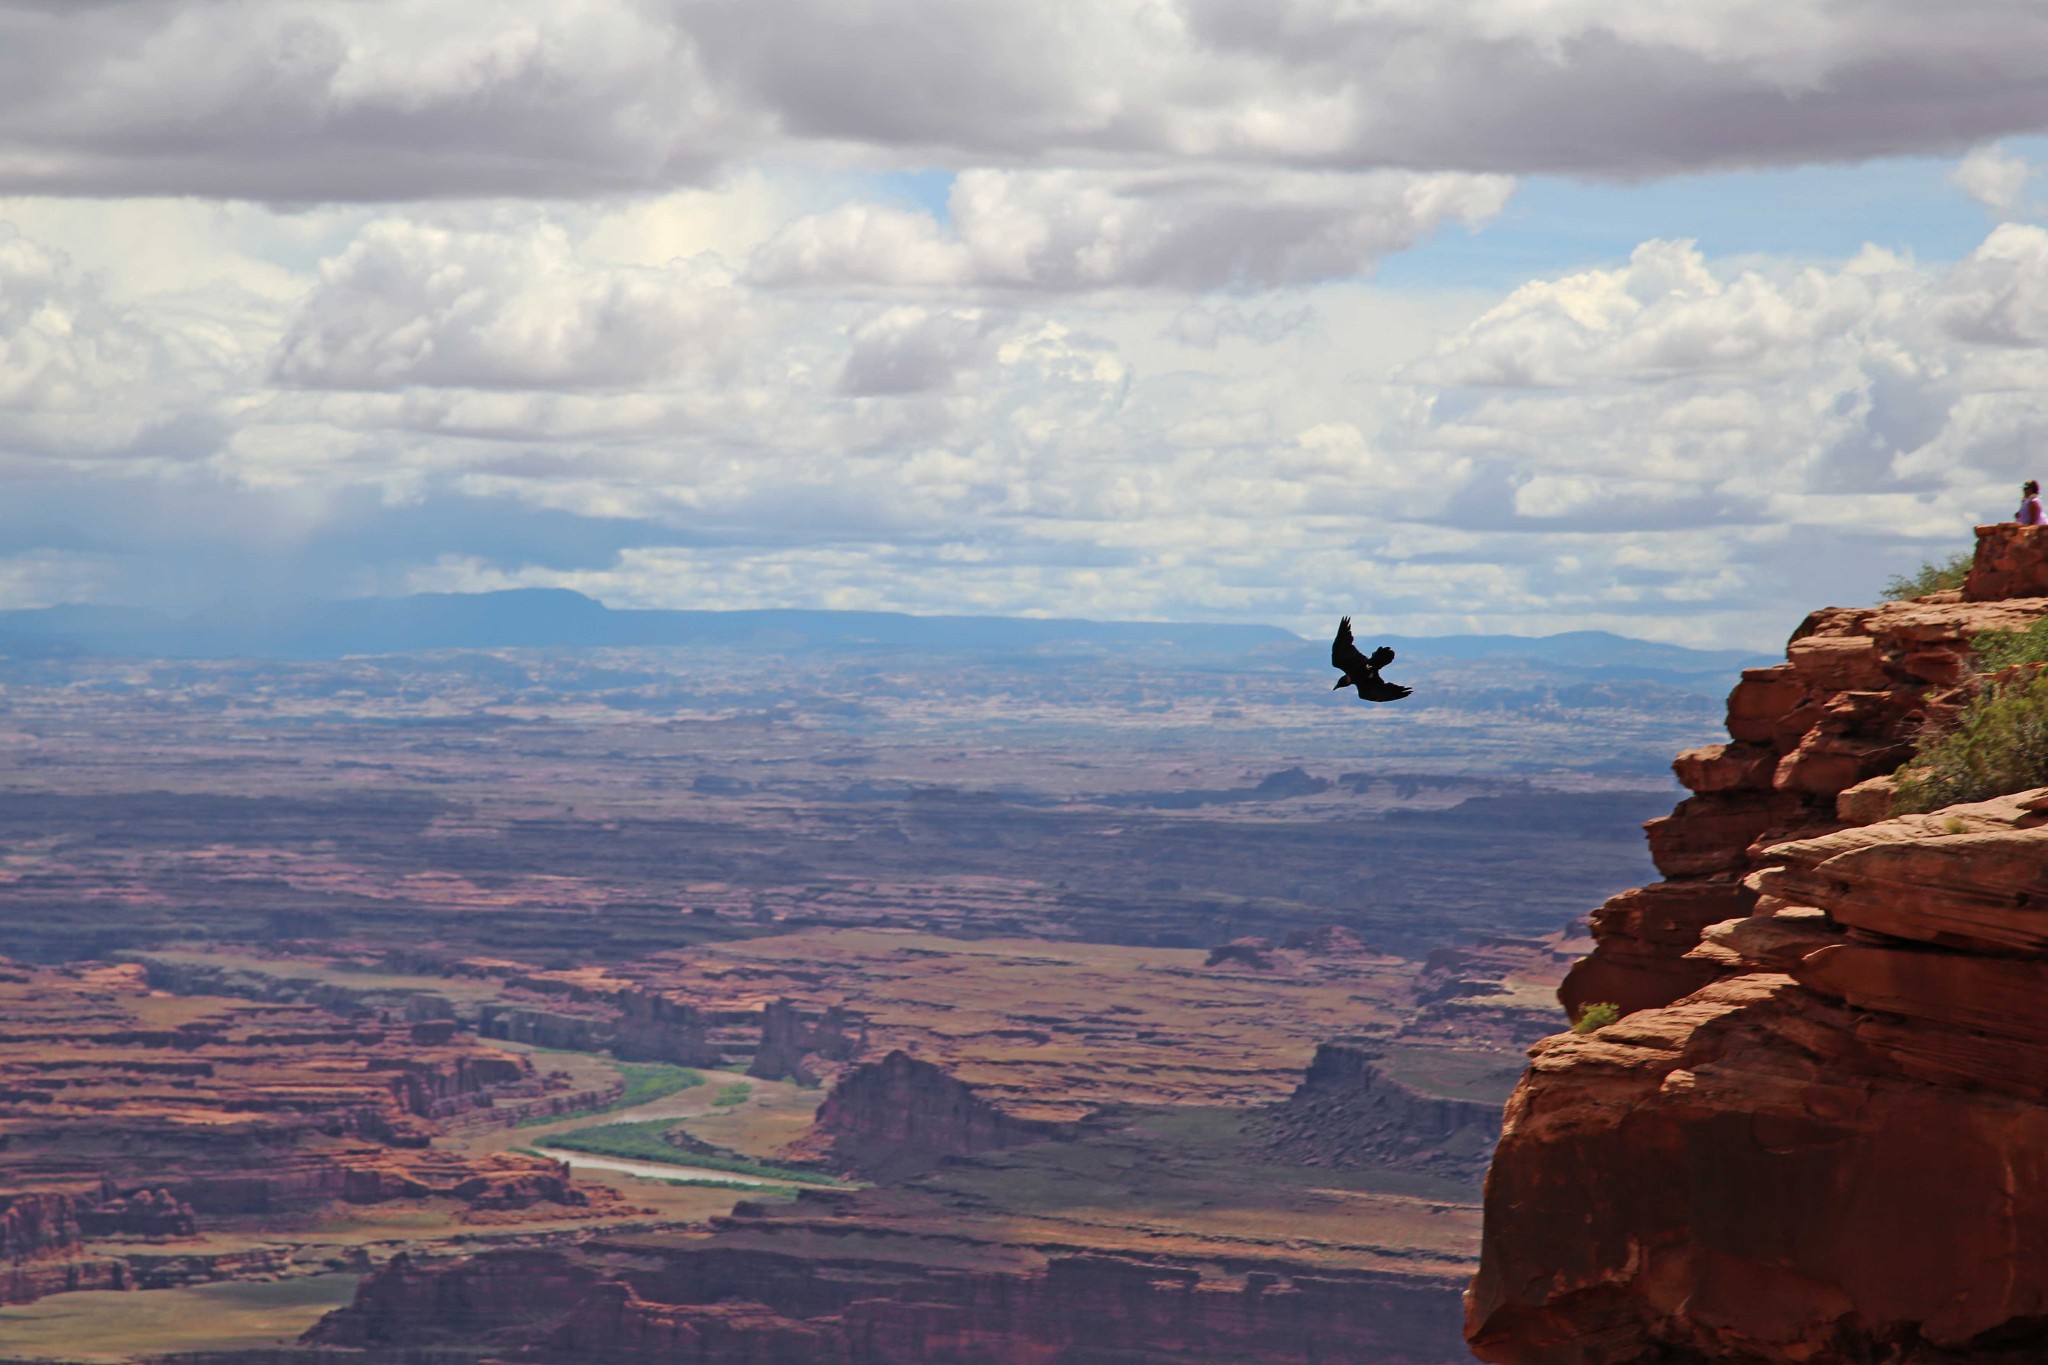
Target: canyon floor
1034,1012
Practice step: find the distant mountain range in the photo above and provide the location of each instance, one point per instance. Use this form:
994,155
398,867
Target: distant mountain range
555,618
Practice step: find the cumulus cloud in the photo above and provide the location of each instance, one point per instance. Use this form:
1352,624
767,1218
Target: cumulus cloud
914,350
1995,178
1999,295
1072,230
1665,314
320,100
87,377
408,304
61,348
530,393
1874,403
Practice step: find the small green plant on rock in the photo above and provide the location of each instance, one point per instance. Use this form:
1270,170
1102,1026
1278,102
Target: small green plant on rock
1996,649
1998,745
1597,1015
1930,577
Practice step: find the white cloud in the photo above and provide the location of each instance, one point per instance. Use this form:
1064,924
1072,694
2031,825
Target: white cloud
1999,295
87,377
1069,230
409,305
1665,314
521,392
1995,178
915,350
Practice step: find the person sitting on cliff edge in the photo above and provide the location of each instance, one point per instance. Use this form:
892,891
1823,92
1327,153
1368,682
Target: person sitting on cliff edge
2030,503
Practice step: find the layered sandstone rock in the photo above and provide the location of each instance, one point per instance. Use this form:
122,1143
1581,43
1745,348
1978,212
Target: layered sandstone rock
1809,742
1818,1134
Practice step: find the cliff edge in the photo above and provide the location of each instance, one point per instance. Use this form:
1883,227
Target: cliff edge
1819,1132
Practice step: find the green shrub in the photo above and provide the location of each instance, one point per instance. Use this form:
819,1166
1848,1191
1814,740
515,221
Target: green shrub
1998,745
733,1094
1996,649
1931,577
649,1081
1597,1015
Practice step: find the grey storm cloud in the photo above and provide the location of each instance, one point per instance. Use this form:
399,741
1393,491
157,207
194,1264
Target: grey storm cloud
324,100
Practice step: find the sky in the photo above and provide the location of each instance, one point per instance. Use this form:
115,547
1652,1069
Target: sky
1454,315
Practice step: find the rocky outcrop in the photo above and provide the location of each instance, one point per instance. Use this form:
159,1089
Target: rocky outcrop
1253,952
1808,741
722,1305
1829,1148
891,1118
634,1024
2011,561
1352,1113
793,1037
145,1213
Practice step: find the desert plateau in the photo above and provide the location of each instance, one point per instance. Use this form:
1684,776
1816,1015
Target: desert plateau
647,1008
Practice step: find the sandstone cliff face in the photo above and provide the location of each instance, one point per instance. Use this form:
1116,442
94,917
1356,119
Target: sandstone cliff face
1821,1133
1805,736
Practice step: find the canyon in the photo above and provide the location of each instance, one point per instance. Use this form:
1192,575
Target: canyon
1053,1010
1124,1018
1814,1132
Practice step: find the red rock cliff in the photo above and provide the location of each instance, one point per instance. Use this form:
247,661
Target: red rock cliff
1820,1134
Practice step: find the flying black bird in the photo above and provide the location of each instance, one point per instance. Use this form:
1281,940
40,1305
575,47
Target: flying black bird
1360,671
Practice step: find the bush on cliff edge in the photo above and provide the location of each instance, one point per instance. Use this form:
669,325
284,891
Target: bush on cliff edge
1998,745
1930,577
1595,1016
1996,649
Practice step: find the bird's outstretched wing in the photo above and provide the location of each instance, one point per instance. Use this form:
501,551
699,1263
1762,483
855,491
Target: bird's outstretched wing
1382,656
1344,655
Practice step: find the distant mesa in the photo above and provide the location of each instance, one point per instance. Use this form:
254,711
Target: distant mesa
1356,1110
548,618
556,618
1244,952
1289,782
